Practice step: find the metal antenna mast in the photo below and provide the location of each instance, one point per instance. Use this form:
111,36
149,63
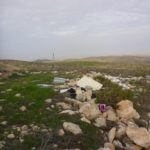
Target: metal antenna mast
53,57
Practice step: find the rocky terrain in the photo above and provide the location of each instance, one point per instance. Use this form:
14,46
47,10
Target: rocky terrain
53,109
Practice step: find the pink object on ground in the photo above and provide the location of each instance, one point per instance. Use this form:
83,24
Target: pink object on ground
102,107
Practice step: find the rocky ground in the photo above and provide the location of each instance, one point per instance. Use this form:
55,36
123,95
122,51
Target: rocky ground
35,115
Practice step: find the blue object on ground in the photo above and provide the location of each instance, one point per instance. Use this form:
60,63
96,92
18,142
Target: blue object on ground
59,80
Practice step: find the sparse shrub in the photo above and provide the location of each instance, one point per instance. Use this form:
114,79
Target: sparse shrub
112,93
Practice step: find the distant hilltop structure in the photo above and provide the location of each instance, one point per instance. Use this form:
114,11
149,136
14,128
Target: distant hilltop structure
53,58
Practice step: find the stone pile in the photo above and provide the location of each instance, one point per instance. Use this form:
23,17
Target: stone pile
122,127
119,126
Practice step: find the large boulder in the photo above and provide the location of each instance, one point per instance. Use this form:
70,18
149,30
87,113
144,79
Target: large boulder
89,110
71,127
139,136
125,110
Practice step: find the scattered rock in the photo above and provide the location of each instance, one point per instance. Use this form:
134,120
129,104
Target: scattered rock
118,144
31,104
23,108
44,130
111,115
110,124
125,110
2,143
49,109
33,148
8,90
61,132
100,122
121,131
35,128
24,130
111,134
148,115
21,140
18,95
73,102
11,136
139,136
24,133
131,123
4,123
141,123
55,145
133,147
24,127
70,112
63,105
74,149
89,110
2,100
14,127
48,101
1,108
126,141
85,120
71,83
79,94
50,130
18,129
105,148
71,127
61,87
52,106
88,94
110,146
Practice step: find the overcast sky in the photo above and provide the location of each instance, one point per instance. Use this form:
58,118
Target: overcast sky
34,29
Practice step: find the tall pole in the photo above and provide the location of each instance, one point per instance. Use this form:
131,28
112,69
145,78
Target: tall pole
53,56
53,59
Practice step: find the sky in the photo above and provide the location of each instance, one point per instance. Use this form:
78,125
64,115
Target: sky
35,29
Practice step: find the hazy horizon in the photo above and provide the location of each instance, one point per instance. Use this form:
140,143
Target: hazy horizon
36,29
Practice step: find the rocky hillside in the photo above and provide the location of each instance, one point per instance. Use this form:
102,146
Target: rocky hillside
122,59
